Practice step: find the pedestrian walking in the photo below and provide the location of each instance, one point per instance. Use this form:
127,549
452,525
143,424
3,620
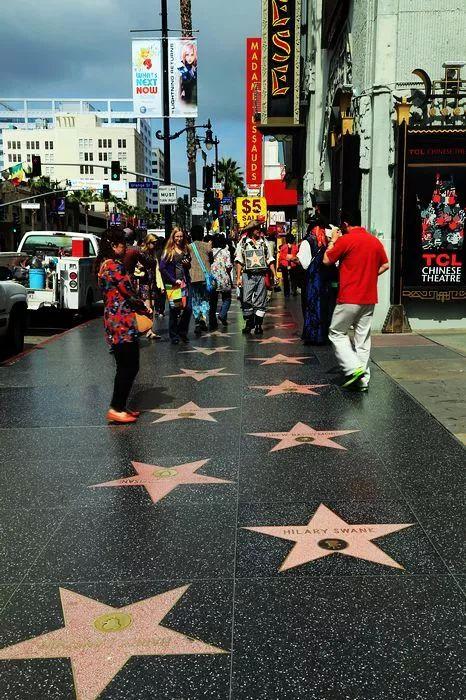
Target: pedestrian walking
319,289
221,269
175,264
121,309
253,260
149,280
362,259
200,253
287,263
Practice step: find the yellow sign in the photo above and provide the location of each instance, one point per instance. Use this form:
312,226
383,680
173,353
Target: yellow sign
250,208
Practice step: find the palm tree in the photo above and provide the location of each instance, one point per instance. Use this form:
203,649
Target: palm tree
233,179
84,199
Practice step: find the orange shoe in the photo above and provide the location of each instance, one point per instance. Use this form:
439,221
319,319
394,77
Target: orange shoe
136,414
120,417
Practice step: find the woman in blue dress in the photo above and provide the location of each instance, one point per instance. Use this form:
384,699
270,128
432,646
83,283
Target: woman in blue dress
319,291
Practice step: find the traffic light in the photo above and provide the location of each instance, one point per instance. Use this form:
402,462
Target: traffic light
207,177
209,200
115,170
16,222
105,192
36,167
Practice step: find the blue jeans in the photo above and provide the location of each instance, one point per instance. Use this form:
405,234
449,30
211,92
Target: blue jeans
226,303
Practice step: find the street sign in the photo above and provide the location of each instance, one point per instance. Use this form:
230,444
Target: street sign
167,194
30,205
226,207
140,185
227,200
197,206
254,191
250,208
217,186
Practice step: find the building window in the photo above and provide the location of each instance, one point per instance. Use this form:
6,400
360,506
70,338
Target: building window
37,145
51,145
105,171
81,169
91,169
81,143
10,158
28,157
100,156
46,145
91,142
100,143
28,145
109,143
121,143
86,156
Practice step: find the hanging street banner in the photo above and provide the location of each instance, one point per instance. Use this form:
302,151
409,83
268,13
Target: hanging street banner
250,208
182,77
434,221
147,78
254,138
281,46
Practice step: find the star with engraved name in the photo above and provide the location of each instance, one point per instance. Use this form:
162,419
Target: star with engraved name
302,434
160,481
280,360
326,533
278,315
99,639
207,351
275,340
289,387
284,325
188,410
200,374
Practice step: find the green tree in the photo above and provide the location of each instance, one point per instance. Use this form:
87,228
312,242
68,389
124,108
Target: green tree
230,174
84,199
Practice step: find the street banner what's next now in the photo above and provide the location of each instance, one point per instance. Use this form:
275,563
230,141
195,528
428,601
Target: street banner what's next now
147,64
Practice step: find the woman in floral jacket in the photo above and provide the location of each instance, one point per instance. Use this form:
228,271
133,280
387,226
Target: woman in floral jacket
121,304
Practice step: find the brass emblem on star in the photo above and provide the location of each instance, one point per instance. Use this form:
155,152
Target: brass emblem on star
333,545
186,414
304,438
165,473
113,622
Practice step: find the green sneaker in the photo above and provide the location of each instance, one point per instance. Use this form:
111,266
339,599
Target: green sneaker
352,378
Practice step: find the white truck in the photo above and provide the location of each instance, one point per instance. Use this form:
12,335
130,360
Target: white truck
70,282
13,307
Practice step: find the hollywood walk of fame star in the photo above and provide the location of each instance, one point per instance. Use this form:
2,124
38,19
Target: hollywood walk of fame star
289,387
99,639
284,325
218,334
280,360
207,351
188,410
326,534
275,340
278,315
160,481
200,374
302,434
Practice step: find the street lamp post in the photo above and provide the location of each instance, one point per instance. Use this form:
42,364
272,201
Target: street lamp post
166,118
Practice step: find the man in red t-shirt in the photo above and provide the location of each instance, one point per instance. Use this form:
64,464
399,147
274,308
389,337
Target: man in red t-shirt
362,259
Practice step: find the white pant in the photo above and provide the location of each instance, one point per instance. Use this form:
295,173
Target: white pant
360,317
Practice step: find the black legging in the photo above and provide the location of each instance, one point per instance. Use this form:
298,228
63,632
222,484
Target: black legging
127,366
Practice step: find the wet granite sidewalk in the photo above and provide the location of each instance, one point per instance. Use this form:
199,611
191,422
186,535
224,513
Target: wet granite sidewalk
259,533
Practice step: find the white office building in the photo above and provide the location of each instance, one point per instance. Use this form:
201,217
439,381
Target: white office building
158,171
87,134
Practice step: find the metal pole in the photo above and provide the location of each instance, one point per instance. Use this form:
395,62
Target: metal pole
216,158
166,118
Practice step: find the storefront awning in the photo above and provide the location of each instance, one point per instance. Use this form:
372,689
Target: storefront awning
278,194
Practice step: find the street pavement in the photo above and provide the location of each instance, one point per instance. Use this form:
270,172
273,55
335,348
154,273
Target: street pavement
260,533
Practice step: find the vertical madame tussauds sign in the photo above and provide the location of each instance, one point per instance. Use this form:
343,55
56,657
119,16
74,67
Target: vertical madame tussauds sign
254,138
281,45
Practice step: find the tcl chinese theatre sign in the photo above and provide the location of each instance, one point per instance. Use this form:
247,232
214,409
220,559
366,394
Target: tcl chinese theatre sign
433,216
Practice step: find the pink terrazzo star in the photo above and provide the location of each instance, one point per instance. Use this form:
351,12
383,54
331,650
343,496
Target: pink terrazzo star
302,434
289,387
278,315
207,351
160,481
326,534
275,340
285,325
99,639
200,374
189,410
218,334
280,360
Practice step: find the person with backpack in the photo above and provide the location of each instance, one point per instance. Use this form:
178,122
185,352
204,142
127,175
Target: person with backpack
253,260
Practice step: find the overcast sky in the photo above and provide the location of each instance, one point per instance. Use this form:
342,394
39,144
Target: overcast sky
61,48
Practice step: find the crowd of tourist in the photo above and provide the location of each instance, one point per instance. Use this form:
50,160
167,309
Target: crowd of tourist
336,269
